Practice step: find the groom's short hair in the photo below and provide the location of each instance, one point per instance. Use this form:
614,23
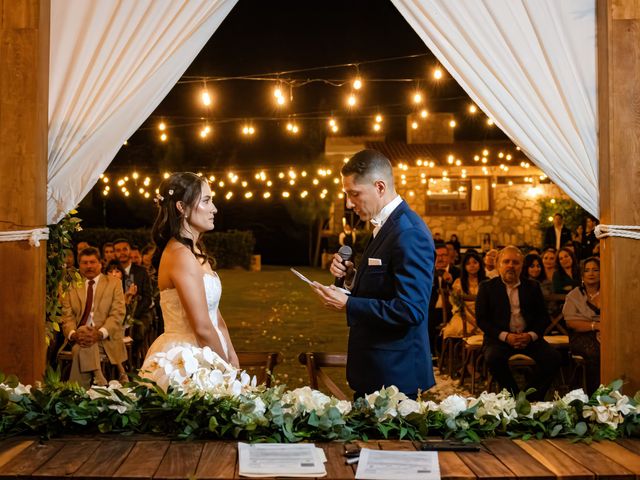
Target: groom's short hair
369,166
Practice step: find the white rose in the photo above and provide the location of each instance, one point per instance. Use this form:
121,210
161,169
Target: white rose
407,407
575,395
344,407
453,405
540,407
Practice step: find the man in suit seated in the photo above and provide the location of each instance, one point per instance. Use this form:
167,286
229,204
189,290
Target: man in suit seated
445,275
92,315
511,312
388,306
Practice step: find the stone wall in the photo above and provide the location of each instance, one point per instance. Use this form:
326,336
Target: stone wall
514,220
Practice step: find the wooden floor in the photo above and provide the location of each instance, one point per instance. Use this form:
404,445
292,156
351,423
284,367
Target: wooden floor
153,457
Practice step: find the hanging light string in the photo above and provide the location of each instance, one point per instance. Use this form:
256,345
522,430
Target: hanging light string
271,76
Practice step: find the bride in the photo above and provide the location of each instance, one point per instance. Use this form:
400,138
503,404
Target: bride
189,288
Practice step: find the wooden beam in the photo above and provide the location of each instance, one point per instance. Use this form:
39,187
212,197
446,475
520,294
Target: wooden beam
24,85
618,34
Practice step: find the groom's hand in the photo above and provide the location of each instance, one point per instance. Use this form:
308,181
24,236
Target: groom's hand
339,269
330,296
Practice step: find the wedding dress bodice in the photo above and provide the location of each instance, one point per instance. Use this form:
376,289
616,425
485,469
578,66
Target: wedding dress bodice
176,324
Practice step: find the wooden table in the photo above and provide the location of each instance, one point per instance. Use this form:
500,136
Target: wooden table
153,457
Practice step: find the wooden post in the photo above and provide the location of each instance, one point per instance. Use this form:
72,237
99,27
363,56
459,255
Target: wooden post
618,34
24,90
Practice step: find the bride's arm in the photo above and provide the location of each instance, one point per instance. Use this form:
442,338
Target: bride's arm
186,275
233,356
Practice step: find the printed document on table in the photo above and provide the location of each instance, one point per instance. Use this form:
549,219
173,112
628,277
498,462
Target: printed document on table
395,465
281,460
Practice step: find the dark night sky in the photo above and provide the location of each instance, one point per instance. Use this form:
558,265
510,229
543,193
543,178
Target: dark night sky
264,37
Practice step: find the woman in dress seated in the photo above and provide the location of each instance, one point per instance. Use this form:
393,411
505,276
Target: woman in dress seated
582,314
189,289
472,274
567,274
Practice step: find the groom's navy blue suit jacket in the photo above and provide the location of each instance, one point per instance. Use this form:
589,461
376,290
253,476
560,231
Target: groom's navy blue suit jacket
388,307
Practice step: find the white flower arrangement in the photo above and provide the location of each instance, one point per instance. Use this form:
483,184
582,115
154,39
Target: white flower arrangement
611,409
14,393
453,405
122,403
194,370
306,400
391,398
501,405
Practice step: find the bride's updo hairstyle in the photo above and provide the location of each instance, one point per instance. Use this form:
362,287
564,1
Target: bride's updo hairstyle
185,187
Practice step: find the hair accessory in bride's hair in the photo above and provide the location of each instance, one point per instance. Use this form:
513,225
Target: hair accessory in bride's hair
170,192
158,199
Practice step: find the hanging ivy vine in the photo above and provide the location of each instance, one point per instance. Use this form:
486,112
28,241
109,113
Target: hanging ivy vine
60,277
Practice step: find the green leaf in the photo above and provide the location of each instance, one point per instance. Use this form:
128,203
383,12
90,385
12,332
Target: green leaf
616,385
580,429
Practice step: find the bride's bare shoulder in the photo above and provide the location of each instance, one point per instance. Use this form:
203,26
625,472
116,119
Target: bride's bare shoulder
177,256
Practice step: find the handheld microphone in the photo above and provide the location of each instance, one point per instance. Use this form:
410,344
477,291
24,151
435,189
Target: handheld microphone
345,253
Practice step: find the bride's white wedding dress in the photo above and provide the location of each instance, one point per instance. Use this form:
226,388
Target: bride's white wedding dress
177,330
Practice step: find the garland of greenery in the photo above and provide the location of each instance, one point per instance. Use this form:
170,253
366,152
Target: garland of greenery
59,277
274,414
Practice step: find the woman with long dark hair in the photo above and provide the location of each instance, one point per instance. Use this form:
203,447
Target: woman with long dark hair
189,288
472,273
567,274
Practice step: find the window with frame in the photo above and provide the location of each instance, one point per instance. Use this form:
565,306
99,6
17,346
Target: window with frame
458,196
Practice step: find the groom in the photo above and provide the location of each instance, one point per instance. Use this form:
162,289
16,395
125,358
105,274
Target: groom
389,302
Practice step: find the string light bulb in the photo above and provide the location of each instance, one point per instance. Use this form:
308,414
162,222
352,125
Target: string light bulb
206,98
162,126
473,109
414,125
357,83
437,73
163,137
417,97
352,100
424,113
378,118
452,124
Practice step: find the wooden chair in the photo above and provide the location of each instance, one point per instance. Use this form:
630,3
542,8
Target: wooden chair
263,362
556,319
64,362
448,345
315,362
518,361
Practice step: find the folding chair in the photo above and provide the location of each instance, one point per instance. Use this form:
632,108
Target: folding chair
315,362
263,362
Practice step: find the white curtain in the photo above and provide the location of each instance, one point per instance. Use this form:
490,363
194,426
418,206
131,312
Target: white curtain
530,65
111,63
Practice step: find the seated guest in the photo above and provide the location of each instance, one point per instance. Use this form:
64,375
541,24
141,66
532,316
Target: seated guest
582,313
135,255
534,270
567,274
470,278
108,253
454,252
490,269
513,317
549,263
92,315
443,278
114,269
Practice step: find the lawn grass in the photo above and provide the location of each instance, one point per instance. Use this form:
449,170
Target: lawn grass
273,310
